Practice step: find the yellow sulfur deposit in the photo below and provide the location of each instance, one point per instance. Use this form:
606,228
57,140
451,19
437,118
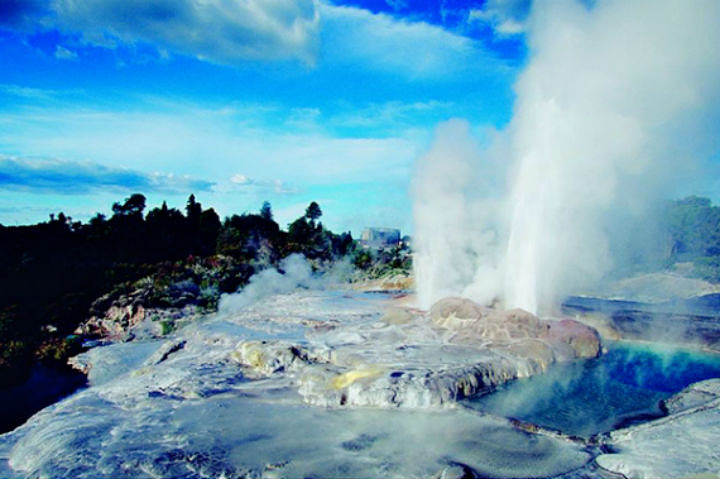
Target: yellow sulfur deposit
255,358
348,378
250,354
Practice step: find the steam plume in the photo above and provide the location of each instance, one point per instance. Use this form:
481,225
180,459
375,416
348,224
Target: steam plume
297,274
614,100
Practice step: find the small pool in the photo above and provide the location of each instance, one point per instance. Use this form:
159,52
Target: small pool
622,387
45,386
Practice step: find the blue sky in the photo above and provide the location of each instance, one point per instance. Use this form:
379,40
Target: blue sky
243,101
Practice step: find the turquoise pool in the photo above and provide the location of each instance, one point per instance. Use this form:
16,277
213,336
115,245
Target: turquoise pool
623,386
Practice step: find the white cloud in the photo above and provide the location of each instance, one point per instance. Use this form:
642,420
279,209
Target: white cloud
215,30
397,4
394,115
358,181
353,37
312,31
246,151
239,179
506,17
207,143
58,176
31,93
510,27
283,188
243,183
63,53
289,213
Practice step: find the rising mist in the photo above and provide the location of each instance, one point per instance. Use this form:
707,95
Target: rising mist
614,109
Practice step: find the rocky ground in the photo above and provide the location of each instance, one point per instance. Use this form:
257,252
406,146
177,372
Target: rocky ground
155,306
247,393
655,287
681,445
338,383
389,283
665,307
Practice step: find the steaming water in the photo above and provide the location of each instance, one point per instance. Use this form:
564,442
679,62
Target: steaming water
622,387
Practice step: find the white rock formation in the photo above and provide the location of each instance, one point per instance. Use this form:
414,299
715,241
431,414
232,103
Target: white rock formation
681,445
238,394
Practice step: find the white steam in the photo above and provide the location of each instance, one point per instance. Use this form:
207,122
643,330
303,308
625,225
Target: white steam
297,274
455,249
613,101
293,272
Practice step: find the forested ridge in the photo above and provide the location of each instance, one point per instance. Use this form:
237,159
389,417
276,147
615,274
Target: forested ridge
52,272
693,227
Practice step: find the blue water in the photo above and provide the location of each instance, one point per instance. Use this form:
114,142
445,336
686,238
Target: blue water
624,386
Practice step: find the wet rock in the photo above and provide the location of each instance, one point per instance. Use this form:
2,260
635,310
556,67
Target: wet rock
361,442
697,394
458,470
80,363
390,283
334,387
110,361
538,354
398,316
124,323
602,323
179,463
168,348
681,445
417,387
584,340
457,350
473,323
264,358
455,312
232,401
156,305
496,326
691,321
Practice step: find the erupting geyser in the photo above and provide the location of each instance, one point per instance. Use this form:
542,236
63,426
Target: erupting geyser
614,101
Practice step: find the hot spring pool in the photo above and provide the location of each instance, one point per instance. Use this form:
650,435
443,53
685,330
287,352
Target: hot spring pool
622,387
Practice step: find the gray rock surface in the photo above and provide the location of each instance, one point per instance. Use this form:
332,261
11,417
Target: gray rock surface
457,350
246,393
695,395
654,287
237,394
681,445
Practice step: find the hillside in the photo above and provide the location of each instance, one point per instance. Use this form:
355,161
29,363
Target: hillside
57,274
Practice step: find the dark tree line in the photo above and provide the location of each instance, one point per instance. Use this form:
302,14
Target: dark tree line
51,272
693,226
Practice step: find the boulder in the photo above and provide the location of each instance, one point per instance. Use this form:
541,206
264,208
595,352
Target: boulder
584,340
473,323
455,312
